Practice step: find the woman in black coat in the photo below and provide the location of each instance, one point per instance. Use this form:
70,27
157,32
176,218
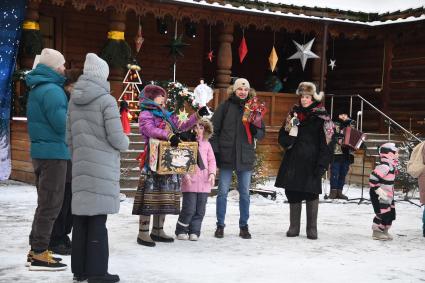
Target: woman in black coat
305,137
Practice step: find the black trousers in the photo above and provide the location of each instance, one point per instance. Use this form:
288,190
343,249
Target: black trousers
90,250
63,224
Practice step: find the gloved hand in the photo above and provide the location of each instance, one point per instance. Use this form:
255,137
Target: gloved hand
253,129
293,131
187,136
381,194
211,179
319,171
174,140
203,111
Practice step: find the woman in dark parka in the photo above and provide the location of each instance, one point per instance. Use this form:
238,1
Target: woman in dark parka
305,137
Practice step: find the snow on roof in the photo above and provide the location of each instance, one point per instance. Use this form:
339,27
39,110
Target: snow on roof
365,6
361,6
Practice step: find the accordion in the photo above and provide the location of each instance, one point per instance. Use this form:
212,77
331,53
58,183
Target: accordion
352,138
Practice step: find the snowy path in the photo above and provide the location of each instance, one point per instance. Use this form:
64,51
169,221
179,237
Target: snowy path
343,253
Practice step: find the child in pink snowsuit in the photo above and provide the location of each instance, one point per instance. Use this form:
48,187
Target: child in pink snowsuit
197,186
381,182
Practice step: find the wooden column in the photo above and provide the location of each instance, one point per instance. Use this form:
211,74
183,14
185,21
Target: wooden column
386,80
224,56
116,75
319,65
32,15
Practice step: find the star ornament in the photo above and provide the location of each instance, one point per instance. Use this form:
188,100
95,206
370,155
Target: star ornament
332,64
183,116
303,52
210,55
176,46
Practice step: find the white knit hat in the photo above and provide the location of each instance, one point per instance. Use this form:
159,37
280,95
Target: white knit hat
96,67
51,58
241,82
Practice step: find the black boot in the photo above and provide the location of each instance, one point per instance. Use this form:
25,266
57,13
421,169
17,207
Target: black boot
219,232
107,278
294,219
312,209
244,233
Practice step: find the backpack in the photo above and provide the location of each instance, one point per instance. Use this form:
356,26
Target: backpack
415,165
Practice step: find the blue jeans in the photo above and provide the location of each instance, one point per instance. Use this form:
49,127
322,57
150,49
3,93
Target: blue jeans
339,171
244,182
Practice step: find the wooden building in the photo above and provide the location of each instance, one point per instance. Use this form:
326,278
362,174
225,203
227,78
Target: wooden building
379,56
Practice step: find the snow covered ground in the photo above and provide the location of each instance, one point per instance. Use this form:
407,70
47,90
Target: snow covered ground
344,251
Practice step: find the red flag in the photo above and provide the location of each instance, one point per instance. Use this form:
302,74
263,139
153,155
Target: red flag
243,49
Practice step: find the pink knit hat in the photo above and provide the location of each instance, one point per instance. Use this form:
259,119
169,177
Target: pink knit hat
152,91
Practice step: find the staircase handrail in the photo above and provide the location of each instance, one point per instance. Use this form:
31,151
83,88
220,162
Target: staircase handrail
376,109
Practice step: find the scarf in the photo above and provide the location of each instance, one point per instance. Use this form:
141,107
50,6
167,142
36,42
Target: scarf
304,113
157,110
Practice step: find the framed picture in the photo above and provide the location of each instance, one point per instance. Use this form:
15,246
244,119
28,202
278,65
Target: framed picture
165,159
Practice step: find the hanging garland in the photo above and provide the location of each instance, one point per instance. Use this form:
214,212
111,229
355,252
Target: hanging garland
116,52
179,95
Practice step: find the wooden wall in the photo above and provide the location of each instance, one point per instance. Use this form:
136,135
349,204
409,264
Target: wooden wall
396,84
406,99
358,71
22,169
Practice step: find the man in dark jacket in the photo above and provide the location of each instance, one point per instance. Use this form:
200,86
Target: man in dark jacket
46,113
234,153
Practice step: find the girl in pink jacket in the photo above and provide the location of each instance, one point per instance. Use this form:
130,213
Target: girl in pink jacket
197,186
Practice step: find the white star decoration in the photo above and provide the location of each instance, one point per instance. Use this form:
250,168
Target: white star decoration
304,52
332,64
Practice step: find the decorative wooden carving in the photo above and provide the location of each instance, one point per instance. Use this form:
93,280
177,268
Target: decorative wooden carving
224,57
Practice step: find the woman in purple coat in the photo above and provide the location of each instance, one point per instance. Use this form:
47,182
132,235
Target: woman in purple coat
160,193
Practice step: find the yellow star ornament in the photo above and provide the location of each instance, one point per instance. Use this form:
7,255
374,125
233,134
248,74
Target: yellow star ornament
183,116
273,59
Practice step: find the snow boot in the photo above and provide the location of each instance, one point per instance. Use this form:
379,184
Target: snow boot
193,237
244,233
294,219
312,210
183,237
379,235
389,236
107,278
143,238
340,195
219,232
333,194
158,234
44,261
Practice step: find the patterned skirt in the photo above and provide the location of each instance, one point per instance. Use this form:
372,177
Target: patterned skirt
157,194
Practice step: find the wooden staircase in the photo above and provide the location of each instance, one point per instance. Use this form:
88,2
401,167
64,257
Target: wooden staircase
130,171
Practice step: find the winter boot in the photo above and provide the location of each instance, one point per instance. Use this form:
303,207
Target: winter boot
312,210
107,278
44,261
333,194
244,232
219,232
389,236
340,195
143,238
182,237
379,235
158,234
294,219
193,237
31,254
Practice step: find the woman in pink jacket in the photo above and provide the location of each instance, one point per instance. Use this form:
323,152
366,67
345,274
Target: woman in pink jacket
197,186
